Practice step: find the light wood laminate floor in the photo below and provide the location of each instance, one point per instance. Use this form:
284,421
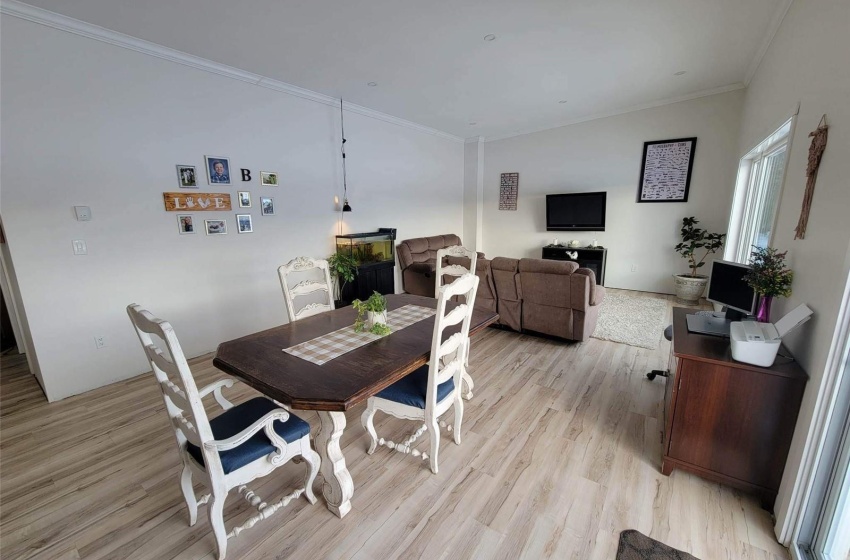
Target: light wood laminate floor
561,451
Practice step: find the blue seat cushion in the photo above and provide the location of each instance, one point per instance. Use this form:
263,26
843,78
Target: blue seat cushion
412,389
231,422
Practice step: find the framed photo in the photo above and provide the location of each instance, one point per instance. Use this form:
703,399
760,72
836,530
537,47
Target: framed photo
268,178
244,199
186,223
218,170
665,173
267,205
186,177
216,227
243,221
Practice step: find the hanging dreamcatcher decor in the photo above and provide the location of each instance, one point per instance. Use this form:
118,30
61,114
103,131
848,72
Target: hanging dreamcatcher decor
816,150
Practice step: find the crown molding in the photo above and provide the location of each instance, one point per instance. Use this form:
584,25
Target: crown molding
773,27
632,109
33,14
473,139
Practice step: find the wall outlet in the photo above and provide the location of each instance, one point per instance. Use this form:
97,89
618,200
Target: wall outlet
80,247
634,268
99,341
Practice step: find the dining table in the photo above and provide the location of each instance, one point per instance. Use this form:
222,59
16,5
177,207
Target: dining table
339,384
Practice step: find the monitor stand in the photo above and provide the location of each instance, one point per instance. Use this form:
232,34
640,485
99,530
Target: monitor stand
735,315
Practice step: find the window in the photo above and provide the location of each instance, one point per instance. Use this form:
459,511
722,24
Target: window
757,192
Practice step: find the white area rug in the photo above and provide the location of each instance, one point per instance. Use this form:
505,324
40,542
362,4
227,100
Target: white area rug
633,320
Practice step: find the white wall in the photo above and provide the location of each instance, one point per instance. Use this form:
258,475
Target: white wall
87,123
807,63
605,155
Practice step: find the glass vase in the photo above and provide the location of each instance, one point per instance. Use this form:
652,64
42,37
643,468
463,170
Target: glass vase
763,313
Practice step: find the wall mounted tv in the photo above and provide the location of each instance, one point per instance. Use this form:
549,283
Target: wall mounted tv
575,212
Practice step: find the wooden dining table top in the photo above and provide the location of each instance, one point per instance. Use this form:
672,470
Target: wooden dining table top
259,360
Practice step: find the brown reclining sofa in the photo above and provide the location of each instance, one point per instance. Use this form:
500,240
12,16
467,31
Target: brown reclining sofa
556,298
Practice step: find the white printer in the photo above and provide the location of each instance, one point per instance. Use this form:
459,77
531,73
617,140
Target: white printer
757,343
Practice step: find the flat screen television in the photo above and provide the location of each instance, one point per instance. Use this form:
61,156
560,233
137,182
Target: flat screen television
575,212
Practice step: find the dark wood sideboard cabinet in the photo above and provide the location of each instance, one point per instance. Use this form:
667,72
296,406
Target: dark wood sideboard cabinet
588,257
728,421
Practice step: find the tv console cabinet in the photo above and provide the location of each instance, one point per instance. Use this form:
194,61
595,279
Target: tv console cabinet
588,257
725,420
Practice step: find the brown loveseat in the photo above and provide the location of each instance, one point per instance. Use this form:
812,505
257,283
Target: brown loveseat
417,259
550,297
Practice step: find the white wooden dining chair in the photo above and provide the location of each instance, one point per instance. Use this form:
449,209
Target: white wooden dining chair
245,442
306,287
456,270
428,392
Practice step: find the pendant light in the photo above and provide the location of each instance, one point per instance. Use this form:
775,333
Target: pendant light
346,207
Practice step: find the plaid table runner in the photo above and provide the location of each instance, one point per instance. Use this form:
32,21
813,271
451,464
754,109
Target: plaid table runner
325,348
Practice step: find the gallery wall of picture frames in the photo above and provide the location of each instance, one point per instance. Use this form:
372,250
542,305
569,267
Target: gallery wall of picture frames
218,173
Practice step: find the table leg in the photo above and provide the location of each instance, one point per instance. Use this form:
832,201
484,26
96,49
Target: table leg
337,486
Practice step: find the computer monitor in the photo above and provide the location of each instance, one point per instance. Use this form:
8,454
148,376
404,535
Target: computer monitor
727,287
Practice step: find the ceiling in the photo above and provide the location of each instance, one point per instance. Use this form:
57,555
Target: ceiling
432,65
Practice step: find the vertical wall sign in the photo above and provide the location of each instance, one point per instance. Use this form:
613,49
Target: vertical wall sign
665,174
508,191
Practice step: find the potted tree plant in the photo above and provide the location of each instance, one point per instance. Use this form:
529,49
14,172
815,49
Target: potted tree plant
343,268
769,278
690,287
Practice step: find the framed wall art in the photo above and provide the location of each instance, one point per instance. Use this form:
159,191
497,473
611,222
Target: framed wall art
244,223
185,223
267,205
218,170
665,173
244,199
268,178
216,227
186,177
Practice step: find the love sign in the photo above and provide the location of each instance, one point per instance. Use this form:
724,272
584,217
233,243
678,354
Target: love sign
196,202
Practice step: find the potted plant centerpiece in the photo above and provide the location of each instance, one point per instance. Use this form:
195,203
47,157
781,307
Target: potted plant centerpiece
769,278
375,309
343,268
690,287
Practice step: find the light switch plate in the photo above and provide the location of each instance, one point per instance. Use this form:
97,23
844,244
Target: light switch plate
80,247
83,213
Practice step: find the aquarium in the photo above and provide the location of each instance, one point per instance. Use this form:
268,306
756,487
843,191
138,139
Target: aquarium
368,248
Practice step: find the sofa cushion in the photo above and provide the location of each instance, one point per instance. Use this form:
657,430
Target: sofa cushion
546,283
413,388
232,421
546,266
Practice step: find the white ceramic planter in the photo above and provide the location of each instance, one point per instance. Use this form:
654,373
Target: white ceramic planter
375,318
689,288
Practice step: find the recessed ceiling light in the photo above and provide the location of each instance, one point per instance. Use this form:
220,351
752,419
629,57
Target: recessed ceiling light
372,84
490,37
562,101
473,123
679,73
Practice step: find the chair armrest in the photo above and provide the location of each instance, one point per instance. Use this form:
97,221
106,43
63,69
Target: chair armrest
266,422
216,388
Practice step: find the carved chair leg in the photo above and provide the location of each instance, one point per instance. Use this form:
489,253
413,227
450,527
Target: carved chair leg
434,428
313,461
216,510
458,406
469,384
189,494
367,420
